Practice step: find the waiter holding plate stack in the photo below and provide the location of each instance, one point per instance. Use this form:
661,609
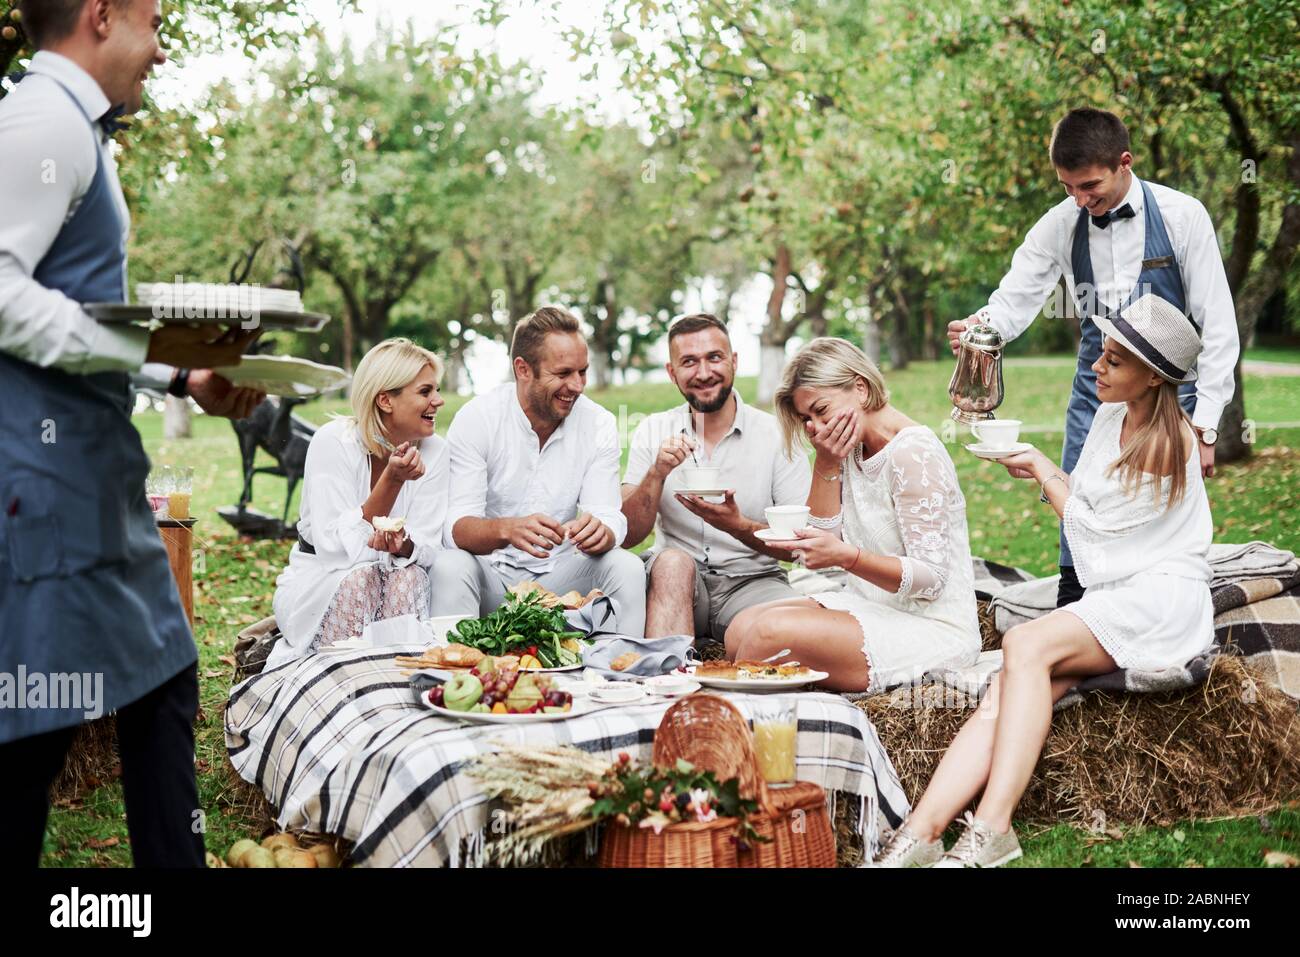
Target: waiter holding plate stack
90,621
1115,239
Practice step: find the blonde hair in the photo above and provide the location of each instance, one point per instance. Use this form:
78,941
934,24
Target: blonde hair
825,363
1156,449
389,367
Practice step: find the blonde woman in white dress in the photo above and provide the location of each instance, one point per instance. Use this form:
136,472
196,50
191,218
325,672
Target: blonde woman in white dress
1138,522
384,461
886,507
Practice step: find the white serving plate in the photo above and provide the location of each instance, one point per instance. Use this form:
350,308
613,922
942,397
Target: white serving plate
759,684
480,717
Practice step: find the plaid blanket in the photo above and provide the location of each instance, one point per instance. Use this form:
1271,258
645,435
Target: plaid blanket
1255,617
340,745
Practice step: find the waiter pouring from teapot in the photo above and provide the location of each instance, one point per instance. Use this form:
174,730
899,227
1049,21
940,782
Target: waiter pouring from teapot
90,621
1114,239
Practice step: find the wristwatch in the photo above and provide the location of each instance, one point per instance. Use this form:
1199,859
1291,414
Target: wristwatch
1208,436
180,383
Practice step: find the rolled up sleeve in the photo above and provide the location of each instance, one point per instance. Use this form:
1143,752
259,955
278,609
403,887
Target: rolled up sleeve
468,473
600,493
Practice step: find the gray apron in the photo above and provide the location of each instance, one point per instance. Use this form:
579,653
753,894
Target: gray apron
85,586
1159,275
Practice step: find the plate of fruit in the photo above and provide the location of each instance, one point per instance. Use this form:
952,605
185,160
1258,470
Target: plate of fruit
490,695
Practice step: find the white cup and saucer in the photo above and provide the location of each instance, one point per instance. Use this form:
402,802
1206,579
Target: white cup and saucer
998,438
783,521
701,480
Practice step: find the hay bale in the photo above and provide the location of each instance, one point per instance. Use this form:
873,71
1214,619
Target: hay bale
246,801
990,637
92,761
1230,746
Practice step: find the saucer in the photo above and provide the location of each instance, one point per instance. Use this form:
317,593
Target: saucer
702,491
768,535
985,452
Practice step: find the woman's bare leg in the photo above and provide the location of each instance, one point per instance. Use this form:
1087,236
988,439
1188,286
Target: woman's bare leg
817,637
964,769
1061,644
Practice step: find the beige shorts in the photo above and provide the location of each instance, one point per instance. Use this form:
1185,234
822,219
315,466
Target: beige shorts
720,598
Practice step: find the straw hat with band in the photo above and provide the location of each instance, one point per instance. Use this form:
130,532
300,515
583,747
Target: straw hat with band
1159,334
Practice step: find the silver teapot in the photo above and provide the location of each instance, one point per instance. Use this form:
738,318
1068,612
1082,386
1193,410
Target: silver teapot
976,385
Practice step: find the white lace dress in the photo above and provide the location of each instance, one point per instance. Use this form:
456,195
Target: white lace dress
904,501
1144,568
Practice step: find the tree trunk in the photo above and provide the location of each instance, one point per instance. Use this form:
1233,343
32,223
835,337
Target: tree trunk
455,375
871,336
771,363
929,337
1234,435
349,342
774,336
176,418
601,366
899,348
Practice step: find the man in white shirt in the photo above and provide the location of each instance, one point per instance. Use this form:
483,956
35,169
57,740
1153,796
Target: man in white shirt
87,598
706,566
1114,239
534,484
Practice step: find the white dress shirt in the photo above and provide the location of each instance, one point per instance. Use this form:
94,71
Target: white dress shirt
47,163
753,462
1116,254
498,469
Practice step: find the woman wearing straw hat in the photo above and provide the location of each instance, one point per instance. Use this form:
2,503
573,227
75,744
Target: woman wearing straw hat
1138,522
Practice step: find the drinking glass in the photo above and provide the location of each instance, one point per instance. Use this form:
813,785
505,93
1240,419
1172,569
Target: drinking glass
178,497
776,727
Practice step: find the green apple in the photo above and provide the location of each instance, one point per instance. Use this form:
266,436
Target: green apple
462,692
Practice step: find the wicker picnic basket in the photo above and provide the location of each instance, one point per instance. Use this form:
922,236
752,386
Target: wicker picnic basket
709,732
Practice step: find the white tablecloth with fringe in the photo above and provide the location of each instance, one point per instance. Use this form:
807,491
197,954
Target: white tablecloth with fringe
340,745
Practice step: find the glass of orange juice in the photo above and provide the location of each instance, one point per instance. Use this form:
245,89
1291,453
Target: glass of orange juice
776,727
178,497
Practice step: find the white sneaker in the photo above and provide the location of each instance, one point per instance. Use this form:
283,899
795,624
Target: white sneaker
981,846
905,849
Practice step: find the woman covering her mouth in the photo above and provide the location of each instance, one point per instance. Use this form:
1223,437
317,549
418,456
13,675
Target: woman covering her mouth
381,466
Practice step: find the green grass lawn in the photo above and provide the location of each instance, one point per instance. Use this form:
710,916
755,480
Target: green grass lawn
234,582
1274,354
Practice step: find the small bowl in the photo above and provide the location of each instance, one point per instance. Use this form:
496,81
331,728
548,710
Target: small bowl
616,692
671,685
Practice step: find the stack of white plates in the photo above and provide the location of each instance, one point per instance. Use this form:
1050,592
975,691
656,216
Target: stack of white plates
212,298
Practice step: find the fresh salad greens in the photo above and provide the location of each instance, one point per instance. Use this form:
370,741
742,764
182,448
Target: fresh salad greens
523,625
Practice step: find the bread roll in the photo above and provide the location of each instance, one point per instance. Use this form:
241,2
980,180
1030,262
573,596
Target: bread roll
460,656
625,661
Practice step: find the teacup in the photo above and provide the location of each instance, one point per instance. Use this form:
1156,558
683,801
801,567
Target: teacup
785,520
700,476
997,433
